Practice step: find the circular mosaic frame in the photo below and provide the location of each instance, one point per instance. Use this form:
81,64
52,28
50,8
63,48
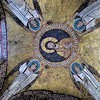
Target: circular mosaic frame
42,95
67,29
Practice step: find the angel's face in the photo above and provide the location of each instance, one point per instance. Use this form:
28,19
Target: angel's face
77,69
33,66
33,23
80,24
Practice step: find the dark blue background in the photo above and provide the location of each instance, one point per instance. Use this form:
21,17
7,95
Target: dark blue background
59,35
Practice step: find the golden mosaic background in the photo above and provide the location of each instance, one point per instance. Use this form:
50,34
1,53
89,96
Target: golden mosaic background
21,43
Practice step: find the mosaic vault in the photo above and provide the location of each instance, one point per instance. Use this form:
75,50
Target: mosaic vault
54,44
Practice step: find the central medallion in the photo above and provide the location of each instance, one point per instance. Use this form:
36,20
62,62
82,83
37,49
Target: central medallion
56,45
